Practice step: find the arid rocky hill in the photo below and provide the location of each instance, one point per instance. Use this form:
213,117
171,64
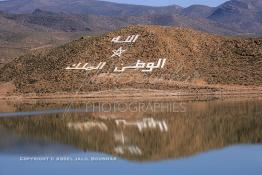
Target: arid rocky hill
193,57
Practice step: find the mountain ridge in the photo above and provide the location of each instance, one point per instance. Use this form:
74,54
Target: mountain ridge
83,7
241,16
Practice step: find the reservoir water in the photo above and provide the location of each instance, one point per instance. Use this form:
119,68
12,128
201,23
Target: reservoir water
168,137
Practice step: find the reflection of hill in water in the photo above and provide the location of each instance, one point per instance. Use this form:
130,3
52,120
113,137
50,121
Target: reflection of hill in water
203,127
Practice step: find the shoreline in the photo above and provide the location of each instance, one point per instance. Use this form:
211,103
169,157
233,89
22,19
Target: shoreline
135,94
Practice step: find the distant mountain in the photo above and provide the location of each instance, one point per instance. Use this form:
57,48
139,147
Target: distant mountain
197,11
67,22
17,38
21,33
241,15
235,17
91,24
84,7
201,24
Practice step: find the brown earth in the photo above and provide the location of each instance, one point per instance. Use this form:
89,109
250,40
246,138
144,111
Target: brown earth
196,62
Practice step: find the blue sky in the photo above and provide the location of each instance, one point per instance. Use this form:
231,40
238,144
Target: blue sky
183,3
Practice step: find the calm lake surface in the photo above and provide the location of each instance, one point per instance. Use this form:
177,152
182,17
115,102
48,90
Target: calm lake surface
182,137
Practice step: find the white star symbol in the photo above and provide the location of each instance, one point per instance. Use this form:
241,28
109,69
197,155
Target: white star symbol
118,52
